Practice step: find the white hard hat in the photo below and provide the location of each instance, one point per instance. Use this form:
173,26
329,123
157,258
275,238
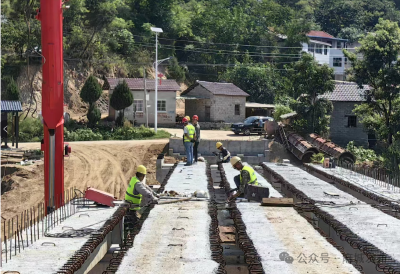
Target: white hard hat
235,160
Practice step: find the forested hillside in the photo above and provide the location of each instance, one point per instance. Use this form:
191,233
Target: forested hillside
206,37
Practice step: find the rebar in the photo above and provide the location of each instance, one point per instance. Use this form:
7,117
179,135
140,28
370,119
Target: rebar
251,256
384,262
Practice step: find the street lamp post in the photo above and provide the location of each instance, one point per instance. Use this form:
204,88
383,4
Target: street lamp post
157,31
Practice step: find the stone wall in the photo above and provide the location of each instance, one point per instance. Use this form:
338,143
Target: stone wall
224,108
340,133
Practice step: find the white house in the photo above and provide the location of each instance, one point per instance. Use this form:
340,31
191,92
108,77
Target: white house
166,100
327,49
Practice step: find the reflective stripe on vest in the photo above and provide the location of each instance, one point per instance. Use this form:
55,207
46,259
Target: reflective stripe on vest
191,130
129,194
253,177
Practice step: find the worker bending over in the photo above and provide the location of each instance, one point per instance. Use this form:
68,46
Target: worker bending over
226,155
189,137
247,176
139,194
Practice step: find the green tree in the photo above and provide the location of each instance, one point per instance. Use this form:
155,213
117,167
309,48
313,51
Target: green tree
91,90
260,82
93,115
121,98
281,110
9,89
309,81
380,69
175,71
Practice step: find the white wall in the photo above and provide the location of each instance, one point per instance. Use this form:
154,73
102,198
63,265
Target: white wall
167,117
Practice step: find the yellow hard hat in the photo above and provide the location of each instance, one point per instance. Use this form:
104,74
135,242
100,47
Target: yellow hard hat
141,169
188,118
235,160
218,144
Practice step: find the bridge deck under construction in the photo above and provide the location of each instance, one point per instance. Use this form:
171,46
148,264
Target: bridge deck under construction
275,230
364,227
49,253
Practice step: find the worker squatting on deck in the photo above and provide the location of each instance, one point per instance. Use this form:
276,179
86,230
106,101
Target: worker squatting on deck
139,194
226,155
247,176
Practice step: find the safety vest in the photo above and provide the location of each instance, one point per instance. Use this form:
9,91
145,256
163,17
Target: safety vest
191,131
130,196
253,177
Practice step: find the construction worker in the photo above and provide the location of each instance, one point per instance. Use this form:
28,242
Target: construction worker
226,155
247,176
183,136
139,194
189,135
197,137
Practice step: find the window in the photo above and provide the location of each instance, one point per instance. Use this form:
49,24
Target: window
351,121
237,109
138,105
311,47
337,62
162,105
325,50
339,45
318,48
345,60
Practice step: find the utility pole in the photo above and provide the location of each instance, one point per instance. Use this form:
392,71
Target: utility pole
145,96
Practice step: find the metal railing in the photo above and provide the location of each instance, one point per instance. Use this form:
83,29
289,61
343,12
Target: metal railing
379,176
30,225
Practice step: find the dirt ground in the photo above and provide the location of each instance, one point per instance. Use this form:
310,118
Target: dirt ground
105,165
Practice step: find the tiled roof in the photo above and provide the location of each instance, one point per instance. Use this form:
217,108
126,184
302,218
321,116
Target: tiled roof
347,92
138,84
10,106
318,33
217,88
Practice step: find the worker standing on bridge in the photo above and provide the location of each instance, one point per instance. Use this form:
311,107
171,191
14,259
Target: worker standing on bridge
197,137
139,194
247,176
226,155
189,135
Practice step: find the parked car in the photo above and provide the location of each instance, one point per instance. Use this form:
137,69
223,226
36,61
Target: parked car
252,124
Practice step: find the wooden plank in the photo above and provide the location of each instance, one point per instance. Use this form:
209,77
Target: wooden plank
278,202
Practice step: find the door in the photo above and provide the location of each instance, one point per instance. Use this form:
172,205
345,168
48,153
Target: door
208,114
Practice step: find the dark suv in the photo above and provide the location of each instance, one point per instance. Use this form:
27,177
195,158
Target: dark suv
252,124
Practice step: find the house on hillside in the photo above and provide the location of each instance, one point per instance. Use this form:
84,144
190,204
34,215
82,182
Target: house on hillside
166,100
345,125
327,49
213,102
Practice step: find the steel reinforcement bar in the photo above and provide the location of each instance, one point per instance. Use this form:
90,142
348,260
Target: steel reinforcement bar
251,256
215,240
381,200
119,254
383,262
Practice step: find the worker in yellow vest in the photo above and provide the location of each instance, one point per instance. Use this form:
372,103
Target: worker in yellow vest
247,176
189,137
139,194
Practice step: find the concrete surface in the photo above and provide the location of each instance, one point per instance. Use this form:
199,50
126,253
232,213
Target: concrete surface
274,230
188,179
368,223
213,134
284,230
377,187
48,259
174,239
235,147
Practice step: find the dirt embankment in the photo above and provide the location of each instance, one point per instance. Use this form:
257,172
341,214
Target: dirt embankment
107,166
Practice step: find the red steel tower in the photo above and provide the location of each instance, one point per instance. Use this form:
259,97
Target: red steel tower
51,17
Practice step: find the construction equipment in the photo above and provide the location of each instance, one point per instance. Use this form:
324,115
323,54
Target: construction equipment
100,197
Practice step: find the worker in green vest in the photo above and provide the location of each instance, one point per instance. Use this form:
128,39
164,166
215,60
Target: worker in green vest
139,194
189,137
247,176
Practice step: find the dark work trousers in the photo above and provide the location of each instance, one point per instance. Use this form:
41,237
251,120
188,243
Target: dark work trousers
237,183
195,145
